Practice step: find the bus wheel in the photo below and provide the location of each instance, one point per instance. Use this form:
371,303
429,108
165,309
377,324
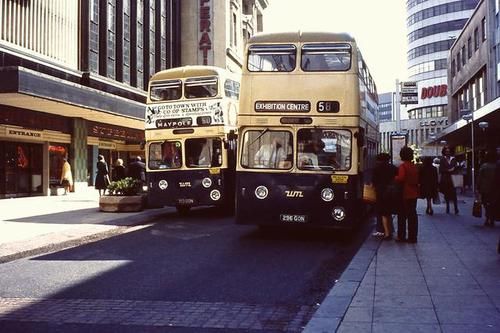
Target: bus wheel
182,210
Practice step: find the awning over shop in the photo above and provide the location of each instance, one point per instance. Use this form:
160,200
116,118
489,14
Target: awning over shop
459,133
27,89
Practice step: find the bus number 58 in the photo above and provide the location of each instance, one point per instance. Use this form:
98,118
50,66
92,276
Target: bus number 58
328,106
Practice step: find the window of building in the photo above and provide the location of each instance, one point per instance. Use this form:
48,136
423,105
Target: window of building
140,44
111,43
152,41
464,56
476,39
469,47
483,29
459,62
126,41
453,69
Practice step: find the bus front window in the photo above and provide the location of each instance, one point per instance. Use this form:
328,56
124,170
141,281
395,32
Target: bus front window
203,153
271,58
266,149
165,155
166,90
201,87
331,57
323,149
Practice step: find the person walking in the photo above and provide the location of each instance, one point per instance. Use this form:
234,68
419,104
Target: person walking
102,175
447,167
137,170
383,175
408,177
66,176
487,187
428,176
119,170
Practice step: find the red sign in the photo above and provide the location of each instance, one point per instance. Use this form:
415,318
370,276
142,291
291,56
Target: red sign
205,43
435,91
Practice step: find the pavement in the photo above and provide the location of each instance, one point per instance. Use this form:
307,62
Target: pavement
447,282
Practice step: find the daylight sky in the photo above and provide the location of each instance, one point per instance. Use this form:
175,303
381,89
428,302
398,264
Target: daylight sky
379,27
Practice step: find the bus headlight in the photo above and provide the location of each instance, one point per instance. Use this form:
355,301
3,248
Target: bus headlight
261,192
338,214
327,194
206,182
215,195
163,184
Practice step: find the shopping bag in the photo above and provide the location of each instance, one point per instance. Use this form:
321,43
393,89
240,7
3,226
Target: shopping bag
369,194
477,209
457,180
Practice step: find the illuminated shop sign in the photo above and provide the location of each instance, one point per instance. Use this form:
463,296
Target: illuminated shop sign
205,31
434,91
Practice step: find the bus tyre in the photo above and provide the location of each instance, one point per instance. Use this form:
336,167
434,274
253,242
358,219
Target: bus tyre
182,210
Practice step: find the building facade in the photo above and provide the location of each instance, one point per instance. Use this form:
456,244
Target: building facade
215,31
474,82
74,75
433,26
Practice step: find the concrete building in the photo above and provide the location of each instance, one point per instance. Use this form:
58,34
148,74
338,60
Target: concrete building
214,32
433,26
474,82
73,75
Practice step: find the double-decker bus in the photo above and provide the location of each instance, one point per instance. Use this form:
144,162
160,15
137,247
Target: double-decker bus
307,132
190,125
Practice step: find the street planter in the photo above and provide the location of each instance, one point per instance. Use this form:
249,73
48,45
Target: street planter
123,196
120,203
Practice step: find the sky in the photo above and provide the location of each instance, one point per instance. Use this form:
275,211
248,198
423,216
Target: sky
379,27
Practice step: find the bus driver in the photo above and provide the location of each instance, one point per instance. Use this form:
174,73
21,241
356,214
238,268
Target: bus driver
270,155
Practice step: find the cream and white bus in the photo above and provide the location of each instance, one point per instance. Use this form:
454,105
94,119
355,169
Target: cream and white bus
190,124
307,131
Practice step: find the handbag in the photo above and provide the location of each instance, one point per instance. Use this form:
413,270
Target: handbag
369,194
477,209
457,180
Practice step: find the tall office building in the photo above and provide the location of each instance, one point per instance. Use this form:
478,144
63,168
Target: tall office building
73,75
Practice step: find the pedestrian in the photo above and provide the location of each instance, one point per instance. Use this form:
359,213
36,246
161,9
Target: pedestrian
447,167
408,177
487,187
428,176
383,175
66,176
102,175
137,170
119,170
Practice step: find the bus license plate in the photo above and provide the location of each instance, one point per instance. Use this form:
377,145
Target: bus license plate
293,218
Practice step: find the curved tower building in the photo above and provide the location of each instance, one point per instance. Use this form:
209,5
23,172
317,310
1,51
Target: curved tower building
433,26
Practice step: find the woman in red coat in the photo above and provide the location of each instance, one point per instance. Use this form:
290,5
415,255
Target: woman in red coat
408,177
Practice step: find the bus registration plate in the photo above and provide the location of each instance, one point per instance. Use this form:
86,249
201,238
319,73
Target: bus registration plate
293,218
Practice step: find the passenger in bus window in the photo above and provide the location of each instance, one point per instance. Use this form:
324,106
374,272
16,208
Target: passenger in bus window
271,155
172,155
308,158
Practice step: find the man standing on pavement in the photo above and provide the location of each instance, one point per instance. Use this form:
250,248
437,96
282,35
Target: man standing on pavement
137,170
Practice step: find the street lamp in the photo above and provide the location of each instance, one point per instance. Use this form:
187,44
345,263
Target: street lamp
469,116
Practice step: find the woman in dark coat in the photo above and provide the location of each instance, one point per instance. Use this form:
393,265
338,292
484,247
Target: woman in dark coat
428,183
383,175
119,170
447,167
102,177
487,186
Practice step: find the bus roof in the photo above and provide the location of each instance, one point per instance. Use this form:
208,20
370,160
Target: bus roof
189,71
301,36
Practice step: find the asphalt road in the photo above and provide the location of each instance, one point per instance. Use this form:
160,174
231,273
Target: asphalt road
200,273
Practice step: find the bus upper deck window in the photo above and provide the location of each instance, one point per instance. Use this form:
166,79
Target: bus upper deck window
166,90
326,57
272,58
232,89
201,87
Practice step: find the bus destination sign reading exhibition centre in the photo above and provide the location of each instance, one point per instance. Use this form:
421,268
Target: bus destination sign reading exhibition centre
282,106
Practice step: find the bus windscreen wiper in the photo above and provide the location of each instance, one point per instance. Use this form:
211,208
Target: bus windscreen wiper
264,131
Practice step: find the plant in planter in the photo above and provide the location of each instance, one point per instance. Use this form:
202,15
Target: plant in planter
123,196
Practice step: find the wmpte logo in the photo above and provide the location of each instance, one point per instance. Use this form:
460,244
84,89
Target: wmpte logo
294,194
